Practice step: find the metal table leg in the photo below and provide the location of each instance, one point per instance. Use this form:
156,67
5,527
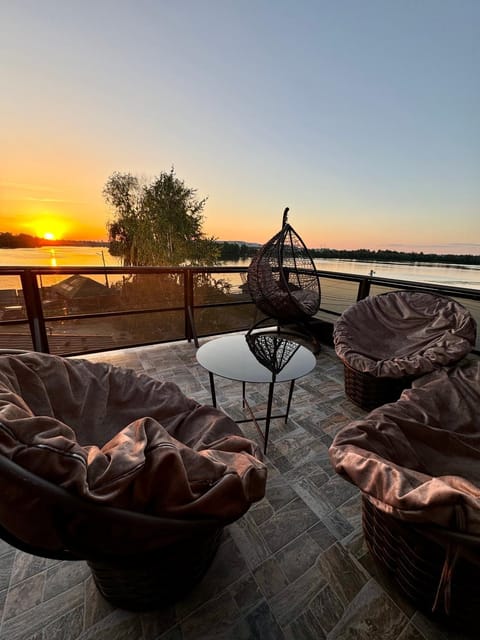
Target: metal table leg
269,413
289,402
212,389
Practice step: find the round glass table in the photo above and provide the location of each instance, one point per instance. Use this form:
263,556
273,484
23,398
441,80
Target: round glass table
257,357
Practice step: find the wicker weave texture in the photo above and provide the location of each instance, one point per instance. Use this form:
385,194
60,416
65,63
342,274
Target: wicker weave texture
282,278
151,581
369,392
415,560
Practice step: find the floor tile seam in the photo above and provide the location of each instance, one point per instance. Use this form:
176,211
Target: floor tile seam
47,620
360,567
99,625
295,497
408,617
340,505
225,591
335,586
3,613
319,622
290,585
346,606
45,569
282,548
247,610
414,621
270,558
321,551
11,586
85,611
42,595
267,601
15,551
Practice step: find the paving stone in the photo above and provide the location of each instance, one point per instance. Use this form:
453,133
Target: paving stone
293,567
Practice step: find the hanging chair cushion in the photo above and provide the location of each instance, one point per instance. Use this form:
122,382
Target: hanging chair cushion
125,439
403,333
419,458
307,301
267,292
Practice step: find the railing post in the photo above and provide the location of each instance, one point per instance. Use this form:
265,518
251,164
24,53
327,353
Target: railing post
363,288
190,332
33,306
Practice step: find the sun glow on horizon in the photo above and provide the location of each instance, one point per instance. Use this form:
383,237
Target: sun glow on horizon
48,228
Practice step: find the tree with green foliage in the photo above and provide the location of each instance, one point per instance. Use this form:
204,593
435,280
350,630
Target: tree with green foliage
159,223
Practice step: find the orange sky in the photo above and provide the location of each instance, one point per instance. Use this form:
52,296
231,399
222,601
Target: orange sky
360,124
38,209
78,212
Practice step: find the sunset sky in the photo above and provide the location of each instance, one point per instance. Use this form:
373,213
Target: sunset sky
362,116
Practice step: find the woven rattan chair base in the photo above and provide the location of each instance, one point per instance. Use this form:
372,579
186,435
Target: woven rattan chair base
415,561
369,392
151,581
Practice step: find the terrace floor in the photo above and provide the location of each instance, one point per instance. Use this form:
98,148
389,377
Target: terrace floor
294,567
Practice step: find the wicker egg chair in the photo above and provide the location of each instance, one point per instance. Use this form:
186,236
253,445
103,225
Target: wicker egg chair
282,278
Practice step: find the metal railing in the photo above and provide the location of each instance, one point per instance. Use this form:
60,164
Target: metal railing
339,290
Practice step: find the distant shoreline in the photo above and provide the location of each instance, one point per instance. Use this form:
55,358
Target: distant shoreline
231,251
389,256
58,243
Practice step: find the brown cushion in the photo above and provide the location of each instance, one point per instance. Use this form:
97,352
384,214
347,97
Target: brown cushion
124,439
404,333
419,458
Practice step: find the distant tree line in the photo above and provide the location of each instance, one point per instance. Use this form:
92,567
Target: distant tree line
26,241
388,255
20,241
236,251
233,251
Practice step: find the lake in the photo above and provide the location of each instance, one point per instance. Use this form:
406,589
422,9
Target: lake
467,276
442,274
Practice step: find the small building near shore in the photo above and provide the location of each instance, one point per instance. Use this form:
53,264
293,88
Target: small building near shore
80,293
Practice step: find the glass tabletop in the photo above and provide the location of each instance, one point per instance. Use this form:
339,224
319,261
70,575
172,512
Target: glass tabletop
256,357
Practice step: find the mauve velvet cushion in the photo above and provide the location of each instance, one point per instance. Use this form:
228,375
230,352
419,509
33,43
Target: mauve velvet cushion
404,333
125,439
419,458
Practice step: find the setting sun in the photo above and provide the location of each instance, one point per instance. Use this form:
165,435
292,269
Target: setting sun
48,228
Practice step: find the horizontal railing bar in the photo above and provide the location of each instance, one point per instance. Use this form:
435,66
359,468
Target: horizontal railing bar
333,275
46,270
110,314
28,275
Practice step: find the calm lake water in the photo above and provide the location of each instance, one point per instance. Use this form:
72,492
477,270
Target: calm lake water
442,274
337,295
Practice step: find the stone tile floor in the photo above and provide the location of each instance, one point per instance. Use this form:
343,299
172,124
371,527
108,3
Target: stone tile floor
295,567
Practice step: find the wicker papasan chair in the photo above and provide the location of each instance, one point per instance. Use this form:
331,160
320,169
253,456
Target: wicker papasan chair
417,464
102,464
388,340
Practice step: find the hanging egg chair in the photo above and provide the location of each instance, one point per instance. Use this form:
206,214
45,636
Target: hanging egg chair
282,279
